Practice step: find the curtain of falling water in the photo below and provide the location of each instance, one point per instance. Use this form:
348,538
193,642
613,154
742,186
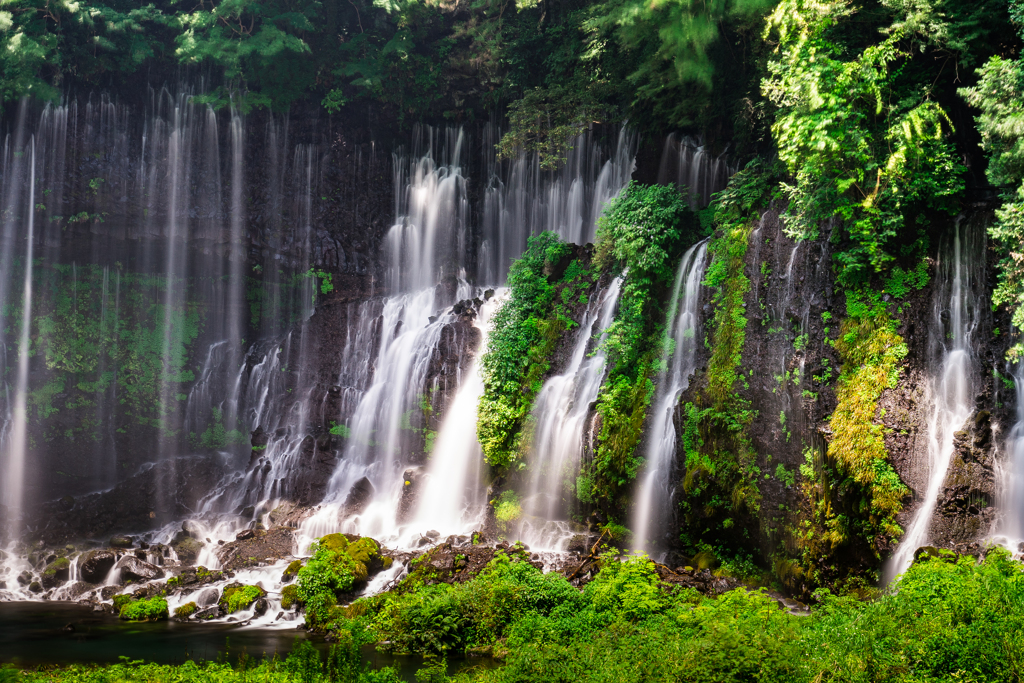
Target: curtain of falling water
956,310
653,499
561,410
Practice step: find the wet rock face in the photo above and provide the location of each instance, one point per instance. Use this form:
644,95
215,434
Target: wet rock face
134,569
411,484
166,492
966,510
257,548
96,564
358,497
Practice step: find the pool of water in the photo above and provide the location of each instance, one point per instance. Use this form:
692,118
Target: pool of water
36,634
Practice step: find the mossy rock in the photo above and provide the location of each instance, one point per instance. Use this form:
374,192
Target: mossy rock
238,596
188,550
292,571
152,609
185,611
289,597
121,600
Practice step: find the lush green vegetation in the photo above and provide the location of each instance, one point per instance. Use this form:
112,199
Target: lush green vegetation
147,609
642,233
721,484
337,565
953,619
545,285
999,95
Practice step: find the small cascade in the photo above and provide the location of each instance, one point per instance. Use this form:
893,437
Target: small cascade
1010,530
653,499
522,199
687,162
425,244
957,307
451,499
561,411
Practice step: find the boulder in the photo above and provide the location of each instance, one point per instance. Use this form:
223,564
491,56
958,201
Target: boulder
359,496
207,597
121,542
56,573
96,564
134,569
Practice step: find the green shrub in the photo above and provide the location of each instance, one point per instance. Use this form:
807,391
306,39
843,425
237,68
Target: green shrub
507,510
145,610
337,565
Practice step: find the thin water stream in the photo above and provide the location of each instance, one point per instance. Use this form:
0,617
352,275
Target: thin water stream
654,496
956,310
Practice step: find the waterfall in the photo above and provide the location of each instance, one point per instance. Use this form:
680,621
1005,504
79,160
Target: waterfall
451,501
1011,503
15,448
521,199
957,306
426,243
687,162
560,412
654,496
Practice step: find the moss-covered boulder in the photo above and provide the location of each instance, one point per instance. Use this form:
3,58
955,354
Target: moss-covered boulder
289,597
238,596
151,609
185,611
291,571
56,573
340,564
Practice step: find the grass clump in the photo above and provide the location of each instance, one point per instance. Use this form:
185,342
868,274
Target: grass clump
151,609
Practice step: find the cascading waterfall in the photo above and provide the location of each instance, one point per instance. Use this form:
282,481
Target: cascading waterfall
428,238
560,410
15,448
654,496
688,163
522,199
451,501
1010,530
956,310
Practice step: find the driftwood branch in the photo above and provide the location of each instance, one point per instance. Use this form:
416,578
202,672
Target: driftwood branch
592,556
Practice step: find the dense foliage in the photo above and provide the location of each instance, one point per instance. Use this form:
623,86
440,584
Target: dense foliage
545,285
953,619
642,234
999,96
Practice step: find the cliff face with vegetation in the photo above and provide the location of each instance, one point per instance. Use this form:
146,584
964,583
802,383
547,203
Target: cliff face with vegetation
877,142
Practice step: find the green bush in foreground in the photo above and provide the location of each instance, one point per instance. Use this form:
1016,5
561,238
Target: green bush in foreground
952,619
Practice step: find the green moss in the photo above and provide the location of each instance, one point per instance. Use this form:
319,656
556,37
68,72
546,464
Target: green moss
186,610
289,597
237,597
507,510
61,563
152,609
292,570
